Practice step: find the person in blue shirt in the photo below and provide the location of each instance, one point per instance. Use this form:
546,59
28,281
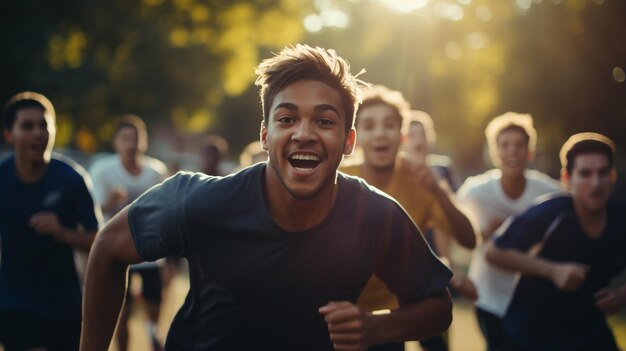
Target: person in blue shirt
46,212
279,252
567,249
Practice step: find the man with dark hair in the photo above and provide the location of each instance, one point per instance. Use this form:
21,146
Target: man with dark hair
118,180
214,150
279,252
46,211
567,249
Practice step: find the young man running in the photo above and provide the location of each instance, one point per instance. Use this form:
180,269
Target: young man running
492,197
378,124
46,212
118,180
279,252
578,243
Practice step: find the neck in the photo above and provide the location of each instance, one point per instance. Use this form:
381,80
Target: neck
296,214
131,165
592,222
513,185
30,171
378,177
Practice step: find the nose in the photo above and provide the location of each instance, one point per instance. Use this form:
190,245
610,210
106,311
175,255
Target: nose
303,133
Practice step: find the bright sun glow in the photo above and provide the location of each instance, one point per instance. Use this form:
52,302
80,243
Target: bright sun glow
405,6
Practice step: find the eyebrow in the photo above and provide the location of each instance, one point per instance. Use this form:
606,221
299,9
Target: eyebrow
318,108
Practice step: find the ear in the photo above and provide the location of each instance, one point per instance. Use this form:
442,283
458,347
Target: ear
565,178
350,141
8,137
613,175
264,144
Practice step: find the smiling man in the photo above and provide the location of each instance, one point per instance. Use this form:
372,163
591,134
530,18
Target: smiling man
279,252
379,133
578,243
494,196
46,211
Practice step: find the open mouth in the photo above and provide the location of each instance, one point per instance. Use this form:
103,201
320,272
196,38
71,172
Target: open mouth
304,162
381,149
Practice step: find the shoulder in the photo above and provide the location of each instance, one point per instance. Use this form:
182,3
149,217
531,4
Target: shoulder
67,167
541,179
103,164
154,164
550,205
361,193
478,183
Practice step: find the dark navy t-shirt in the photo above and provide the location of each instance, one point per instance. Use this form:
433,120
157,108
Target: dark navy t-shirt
256,286
37,272
542,317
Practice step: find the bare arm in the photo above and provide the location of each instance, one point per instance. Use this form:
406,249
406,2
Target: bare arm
566,276
48,223
463,230
105,282
352,329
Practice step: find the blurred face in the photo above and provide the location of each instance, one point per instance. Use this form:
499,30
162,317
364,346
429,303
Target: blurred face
512,152
378,133
32,135
591,181
305,138
126,143
417,145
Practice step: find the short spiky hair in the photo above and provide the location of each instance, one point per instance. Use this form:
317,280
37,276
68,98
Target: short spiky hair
26,99
303,62
585,143
510,121
381,95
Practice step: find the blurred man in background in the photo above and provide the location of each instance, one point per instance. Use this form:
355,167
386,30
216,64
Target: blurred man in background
46,212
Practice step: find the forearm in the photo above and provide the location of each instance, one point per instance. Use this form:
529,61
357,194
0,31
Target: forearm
460,225
425,318
518,261
105,286
78,238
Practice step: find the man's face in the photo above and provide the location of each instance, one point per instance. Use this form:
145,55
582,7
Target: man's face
378,133
126,143
305,137
32,134
512,152
591,181
416,144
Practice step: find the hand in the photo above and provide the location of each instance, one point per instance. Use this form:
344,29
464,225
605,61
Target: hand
422,173
569,276
609,301
464,286
48,223
350,328
118,197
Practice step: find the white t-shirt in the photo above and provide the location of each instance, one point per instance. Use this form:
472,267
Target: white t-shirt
485,199
108,173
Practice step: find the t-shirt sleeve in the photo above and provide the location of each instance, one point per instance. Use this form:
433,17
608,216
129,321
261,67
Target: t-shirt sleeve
523,231
408,266
157,218
88,214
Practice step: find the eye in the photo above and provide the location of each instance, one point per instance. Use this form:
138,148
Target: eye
285,119
27,126
325,122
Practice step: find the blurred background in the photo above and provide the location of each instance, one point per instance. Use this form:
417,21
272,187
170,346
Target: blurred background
186,66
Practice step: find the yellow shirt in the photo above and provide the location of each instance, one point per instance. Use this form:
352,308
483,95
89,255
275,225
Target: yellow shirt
425,211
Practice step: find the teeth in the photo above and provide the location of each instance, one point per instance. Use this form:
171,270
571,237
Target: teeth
306,157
